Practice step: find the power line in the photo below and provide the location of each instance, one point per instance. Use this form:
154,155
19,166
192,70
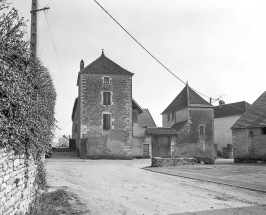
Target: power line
147,50
56,54
48,3
140,44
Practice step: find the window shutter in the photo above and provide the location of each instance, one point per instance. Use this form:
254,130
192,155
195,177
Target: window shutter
108,98
108,121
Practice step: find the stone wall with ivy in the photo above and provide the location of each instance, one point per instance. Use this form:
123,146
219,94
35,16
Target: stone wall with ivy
27,123
17,182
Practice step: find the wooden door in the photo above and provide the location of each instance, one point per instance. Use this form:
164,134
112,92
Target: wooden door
146,150
161,146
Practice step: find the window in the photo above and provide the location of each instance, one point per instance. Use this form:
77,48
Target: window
106,121
173,116
106,80
106,98
251,134
76,128
168,117
202,129
263,130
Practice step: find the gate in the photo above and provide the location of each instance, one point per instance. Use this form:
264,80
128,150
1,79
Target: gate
161,146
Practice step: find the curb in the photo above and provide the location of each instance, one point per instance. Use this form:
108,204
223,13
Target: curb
207,180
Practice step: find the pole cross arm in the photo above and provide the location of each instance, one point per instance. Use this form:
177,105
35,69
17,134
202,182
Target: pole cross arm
33,11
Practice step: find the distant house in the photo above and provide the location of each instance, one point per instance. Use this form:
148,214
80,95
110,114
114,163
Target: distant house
192,117
107,122
249,133
225,115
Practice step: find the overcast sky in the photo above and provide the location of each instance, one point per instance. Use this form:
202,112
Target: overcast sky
218,46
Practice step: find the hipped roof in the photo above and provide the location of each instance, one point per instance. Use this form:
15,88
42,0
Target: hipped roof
104,66
255,116
186,98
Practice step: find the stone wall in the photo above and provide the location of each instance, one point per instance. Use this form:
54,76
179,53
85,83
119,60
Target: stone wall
172,162
249,147
190,143
17,176
116,142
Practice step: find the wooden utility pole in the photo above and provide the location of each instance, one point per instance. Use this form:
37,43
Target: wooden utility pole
34,28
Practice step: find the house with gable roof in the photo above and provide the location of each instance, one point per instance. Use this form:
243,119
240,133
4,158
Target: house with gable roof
249,133
225,115
107,121
192,117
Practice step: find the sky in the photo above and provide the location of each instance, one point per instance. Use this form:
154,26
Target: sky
218,46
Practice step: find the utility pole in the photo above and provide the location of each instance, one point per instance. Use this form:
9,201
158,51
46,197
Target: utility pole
34,28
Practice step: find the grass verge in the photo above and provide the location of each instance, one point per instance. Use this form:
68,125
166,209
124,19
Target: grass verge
57,203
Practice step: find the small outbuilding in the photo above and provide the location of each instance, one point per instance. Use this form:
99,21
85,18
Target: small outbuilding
249,133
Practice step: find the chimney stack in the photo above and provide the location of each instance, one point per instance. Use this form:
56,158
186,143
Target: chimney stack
221,103
81,65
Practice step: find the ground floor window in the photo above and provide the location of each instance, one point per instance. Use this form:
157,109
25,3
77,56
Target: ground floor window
106,121
263,130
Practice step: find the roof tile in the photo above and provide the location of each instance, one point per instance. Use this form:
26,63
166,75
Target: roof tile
255,116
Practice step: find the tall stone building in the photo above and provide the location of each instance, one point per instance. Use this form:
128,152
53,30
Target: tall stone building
104,112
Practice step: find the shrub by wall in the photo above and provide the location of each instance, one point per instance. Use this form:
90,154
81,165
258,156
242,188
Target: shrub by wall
27,101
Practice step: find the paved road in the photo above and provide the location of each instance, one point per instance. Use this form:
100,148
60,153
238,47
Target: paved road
123,187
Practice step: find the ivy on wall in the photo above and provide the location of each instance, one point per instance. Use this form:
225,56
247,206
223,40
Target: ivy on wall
27,94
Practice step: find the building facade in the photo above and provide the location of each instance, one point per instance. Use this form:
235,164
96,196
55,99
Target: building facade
104,114
225,116
249,133
192,117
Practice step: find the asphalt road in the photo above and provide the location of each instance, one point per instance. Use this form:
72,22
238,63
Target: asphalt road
123,187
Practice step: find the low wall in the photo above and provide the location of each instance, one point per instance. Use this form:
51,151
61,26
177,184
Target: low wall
17,189
172,162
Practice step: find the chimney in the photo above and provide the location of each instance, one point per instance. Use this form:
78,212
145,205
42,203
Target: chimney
81,65
221,103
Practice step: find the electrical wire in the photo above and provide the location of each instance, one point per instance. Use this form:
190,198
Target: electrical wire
148,51
48,3
56,54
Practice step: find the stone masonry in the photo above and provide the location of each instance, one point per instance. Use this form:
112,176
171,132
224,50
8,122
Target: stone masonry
17,176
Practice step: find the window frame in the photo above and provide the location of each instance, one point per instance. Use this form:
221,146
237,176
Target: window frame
105,100
201,129
106,122
173,116
106,83
168,117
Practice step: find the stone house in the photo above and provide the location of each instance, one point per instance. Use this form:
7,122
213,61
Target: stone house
192,117
105,117
225,116
249,133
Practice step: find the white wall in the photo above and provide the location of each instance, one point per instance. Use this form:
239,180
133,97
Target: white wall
222,132
180,116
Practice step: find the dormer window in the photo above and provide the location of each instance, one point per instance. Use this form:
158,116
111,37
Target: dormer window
106,80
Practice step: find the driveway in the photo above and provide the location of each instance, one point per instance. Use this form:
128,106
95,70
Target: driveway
123,187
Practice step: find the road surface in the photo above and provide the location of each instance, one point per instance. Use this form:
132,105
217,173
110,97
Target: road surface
123,187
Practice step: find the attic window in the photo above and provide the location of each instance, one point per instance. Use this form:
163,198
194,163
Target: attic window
263,130
106,80
168,117
173,116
